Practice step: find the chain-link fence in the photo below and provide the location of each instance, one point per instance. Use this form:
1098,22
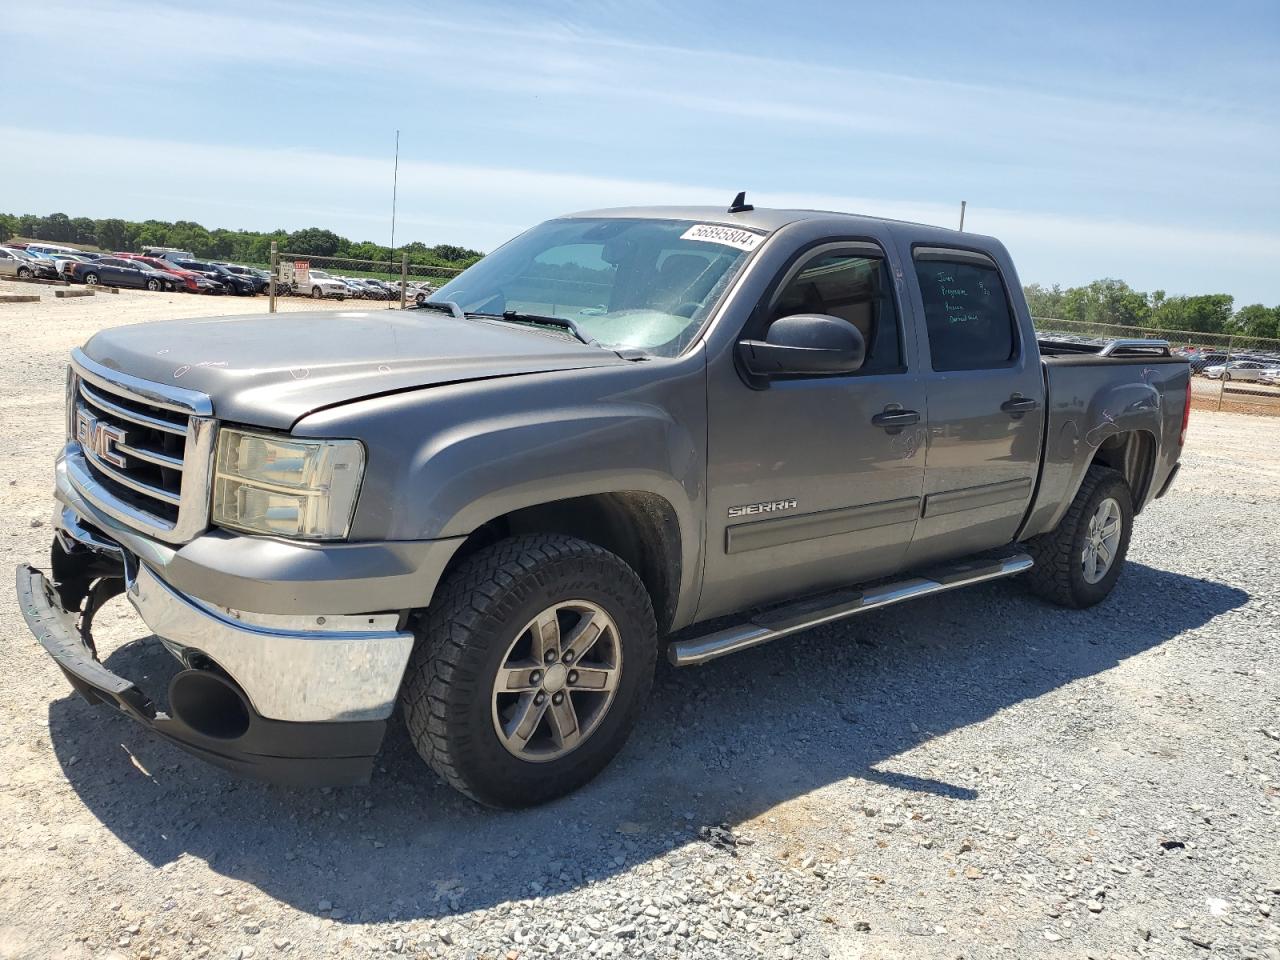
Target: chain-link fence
392,283
1229,372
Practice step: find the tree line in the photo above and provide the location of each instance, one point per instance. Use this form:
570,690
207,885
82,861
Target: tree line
1103,301
242,246
1114,301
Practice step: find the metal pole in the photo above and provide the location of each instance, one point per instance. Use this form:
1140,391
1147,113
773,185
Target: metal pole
404,278
962,206
275,272
395,182
1222,380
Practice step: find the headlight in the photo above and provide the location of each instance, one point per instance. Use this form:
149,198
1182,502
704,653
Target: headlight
285,487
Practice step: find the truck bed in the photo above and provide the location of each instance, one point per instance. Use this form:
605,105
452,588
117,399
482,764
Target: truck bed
1098,395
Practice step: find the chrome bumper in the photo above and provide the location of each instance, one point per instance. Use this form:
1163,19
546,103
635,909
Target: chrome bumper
292,667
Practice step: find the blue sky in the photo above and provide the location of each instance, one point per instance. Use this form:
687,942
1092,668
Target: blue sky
1134,140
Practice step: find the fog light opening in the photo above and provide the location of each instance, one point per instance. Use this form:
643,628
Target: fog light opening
209,704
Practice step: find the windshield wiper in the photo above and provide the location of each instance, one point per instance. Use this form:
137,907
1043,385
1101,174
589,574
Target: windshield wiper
564,323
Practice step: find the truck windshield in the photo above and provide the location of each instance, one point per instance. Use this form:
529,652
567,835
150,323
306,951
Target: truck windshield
639,284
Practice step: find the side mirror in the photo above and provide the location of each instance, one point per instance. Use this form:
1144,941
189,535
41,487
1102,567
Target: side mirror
806,343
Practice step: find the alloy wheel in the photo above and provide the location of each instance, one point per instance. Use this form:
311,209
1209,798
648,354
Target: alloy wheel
557,681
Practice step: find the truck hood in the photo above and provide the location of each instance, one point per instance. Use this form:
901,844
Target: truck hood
270,370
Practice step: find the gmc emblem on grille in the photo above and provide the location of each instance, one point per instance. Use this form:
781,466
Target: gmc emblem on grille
100,438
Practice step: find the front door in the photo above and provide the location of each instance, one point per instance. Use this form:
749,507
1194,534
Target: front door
815,482
985,391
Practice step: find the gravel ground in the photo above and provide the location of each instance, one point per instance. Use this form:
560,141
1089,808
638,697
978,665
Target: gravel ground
976,775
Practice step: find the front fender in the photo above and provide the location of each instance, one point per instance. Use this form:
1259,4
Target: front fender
445,460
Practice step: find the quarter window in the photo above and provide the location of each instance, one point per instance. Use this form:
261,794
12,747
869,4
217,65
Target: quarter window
967,314
856,288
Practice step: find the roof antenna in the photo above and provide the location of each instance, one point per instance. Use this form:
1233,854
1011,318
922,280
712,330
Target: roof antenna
740,204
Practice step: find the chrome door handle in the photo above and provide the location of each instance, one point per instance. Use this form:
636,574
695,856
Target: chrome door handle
895,419
1019,405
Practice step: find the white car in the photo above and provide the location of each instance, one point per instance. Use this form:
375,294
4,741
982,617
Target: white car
321,285
1236,370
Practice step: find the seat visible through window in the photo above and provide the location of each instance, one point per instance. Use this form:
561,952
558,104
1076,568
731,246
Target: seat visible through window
855,288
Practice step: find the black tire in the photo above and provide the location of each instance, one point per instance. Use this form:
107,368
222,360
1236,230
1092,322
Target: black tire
464,637
91,279
24,273
153,285
1058,574
317,293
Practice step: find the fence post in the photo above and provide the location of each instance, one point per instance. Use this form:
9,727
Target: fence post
1222,380
275,272
404,278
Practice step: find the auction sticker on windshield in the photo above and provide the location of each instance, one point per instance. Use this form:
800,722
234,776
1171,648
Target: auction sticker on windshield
727,236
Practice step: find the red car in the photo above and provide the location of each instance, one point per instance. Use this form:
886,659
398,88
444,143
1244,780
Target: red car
189,280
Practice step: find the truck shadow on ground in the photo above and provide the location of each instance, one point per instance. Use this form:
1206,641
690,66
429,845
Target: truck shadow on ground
723,743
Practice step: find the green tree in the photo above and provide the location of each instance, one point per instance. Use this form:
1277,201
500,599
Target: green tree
1255,320
1105,301
111,234
314,241
56,227
8,226
1042,302
1209,313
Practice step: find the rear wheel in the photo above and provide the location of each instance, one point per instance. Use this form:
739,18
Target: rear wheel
1078,564
317,293
532,664
153,285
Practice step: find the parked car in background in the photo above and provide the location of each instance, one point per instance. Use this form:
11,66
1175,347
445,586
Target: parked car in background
355,289
231,283
187,280
50,249
1235,370
11,263
258,278
321,285
63,261
31,266
168,253
119,272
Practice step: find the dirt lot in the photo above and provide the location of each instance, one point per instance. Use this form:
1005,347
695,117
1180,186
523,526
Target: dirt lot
977,775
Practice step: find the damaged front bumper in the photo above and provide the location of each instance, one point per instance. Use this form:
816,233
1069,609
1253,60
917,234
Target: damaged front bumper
293,699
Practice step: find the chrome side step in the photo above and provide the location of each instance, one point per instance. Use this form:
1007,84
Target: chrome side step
804,614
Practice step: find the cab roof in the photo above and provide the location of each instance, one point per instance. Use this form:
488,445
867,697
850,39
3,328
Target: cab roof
769,220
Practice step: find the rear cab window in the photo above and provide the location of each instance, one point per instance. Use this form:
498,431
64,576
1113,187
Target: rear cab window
967,311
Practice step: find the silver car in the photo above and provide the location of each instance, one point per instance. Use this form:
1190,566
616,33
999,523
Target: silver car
1236,370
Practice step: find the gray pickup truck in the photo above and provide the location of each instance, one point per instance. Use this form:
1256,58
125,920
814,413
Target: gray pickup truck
497,509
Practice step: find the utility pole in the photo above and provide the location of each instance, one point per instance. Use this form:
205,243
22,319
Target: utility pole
395,182
962,206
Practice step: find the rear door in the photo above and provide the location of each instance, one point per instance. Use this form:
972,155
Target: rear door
984,391
815,481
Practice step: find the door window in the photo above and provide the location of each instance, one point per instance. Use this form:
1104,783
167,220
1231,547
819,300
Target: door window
857,289
967,314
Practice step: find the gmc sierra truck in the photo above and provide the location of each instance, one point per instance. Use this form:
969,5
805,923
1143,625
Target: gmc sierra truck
496,510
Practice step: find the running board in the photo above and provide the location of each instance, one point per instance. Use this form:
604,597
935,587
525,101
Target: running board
815,611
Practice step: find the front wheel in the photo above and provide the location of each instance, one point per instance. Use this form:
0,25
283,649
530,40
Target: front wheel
532,664
24,273
91,279
1078,564
153,285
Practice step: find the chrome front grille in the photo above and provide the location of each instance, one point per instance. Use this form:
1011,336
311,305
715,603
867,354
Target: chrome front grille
140,451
